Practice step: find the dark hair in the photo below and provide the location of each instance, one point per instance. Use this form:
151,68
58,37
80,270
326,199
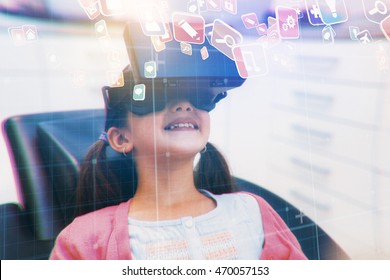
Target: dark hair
103,183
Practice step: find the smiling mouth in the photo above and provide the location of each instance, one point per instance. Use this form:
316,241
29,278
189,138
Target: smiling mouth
181,126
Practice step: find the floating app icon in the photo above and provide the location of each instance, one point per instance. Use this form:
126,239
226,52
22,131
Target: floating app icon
224,38
186,48
333,11
167,37
288,25
271,21
230,6
250,60
30,32
313,13
299,12
353,31
157,44
385,27
250,20
139,92
188,28
115,78
364,37
204,53
150,69
23,34
193,7
17,35
202,5
328,35
101,29
91,8
273,37
376,11
111,7
208,32
261,29
151,20
214,5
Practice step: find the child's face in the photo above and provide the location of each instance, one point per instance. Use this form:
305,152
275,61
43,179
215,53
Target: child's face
180,130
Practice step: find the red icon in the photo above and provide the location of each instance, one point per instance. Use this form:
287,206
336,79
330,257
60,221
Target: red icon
250,20
262,29
250,60
188,28
385,26
287,22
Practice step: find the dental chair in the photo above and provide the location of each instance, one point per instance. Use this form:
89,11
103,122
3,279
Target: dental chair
46,151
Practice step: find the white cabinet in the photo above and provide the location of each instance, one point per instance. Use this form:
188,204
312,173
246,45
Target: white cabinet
327,142
316,131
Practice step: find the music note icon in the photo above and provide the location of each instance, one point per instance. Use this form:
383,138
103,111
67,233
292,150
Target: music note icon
250,60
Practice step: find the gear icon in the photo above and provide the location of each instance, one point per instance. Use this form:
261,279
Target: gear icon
290,21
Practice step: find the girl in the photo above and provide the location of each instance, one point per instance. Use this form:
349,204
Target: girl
176,212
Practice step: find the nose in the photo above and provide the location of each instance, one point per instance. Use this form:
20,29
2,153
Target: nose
182,106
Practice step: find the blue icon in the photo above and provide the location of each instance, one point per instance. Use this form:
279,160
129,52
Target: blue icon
333,11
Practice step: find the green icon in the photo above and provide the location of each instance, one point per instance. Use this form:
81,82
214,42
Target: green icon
150,69
139,92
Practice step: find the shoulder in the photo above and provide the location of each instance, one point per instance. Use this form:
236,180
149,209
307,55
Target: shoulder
244,199
88,235
95,219
280,242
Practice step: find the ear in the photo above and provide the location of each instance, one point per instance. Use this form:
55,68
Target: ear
120,139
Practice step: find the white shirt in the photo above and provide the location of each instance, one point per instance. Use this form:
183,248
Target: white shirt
233,230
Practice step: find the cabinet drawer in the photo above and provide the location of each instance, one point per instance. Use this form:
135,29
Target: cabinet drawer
347,182
332,138
335,102
345,62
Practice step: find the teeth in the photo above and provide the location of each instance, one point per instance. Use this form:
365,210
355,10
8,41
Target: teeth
181,125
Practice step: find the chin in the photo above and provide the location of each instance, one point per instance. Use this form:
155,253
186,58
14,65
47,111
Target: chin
186,150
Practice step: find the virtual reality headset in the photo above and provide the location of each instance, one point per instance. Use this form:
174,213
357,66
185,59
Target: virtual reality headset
198,73
155,96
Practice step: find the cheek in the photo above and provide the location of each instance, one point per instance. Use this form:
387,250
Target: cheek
205,117
142,131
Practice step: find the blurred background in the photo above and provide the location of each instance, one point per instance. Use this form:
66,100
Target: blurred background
315,129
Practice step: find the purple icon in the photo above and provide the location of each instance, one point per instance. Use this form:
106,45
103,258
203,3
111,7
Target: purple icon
313,12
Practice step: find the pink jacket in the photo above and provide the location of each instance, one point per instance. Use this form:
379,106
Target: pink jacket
104,234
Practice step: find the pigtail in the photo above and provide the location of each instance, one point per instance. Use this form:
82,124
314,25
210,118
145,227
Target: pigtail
102,182
212,172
